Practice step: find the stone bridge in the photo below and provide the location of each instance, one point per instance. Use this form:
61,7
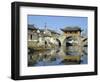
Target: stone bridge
80,40
85,41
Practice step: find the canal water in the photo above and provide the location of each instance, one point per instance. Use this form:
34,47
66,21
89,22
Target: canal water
57,56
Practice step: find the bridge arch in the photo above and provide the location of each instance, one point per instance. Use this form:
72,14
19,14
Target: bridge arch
59,42
66,41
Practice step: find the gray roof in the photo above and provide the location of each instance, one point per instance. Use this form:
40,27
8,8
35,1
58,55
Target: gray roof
76,28
52,31
31,27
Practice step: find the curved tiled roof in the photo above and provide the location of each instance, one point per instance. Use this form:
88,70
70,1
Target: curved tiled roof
76,28
31,27
52,31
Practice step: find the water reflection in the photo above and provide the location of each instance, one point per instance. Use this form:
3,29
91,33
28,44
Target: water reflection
58,56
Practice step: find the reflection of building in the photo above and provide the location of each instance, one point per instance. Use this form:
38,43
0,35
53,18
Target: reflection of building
47,47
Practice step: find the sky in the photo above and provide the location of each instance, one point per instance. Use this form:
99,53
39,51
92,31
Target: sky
57,22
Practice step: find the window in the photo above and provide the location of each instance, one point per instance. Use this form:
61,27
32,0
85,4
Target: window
31,36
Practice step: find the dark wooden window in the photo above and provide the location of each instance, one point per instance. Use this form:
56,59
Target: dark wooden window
31,36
